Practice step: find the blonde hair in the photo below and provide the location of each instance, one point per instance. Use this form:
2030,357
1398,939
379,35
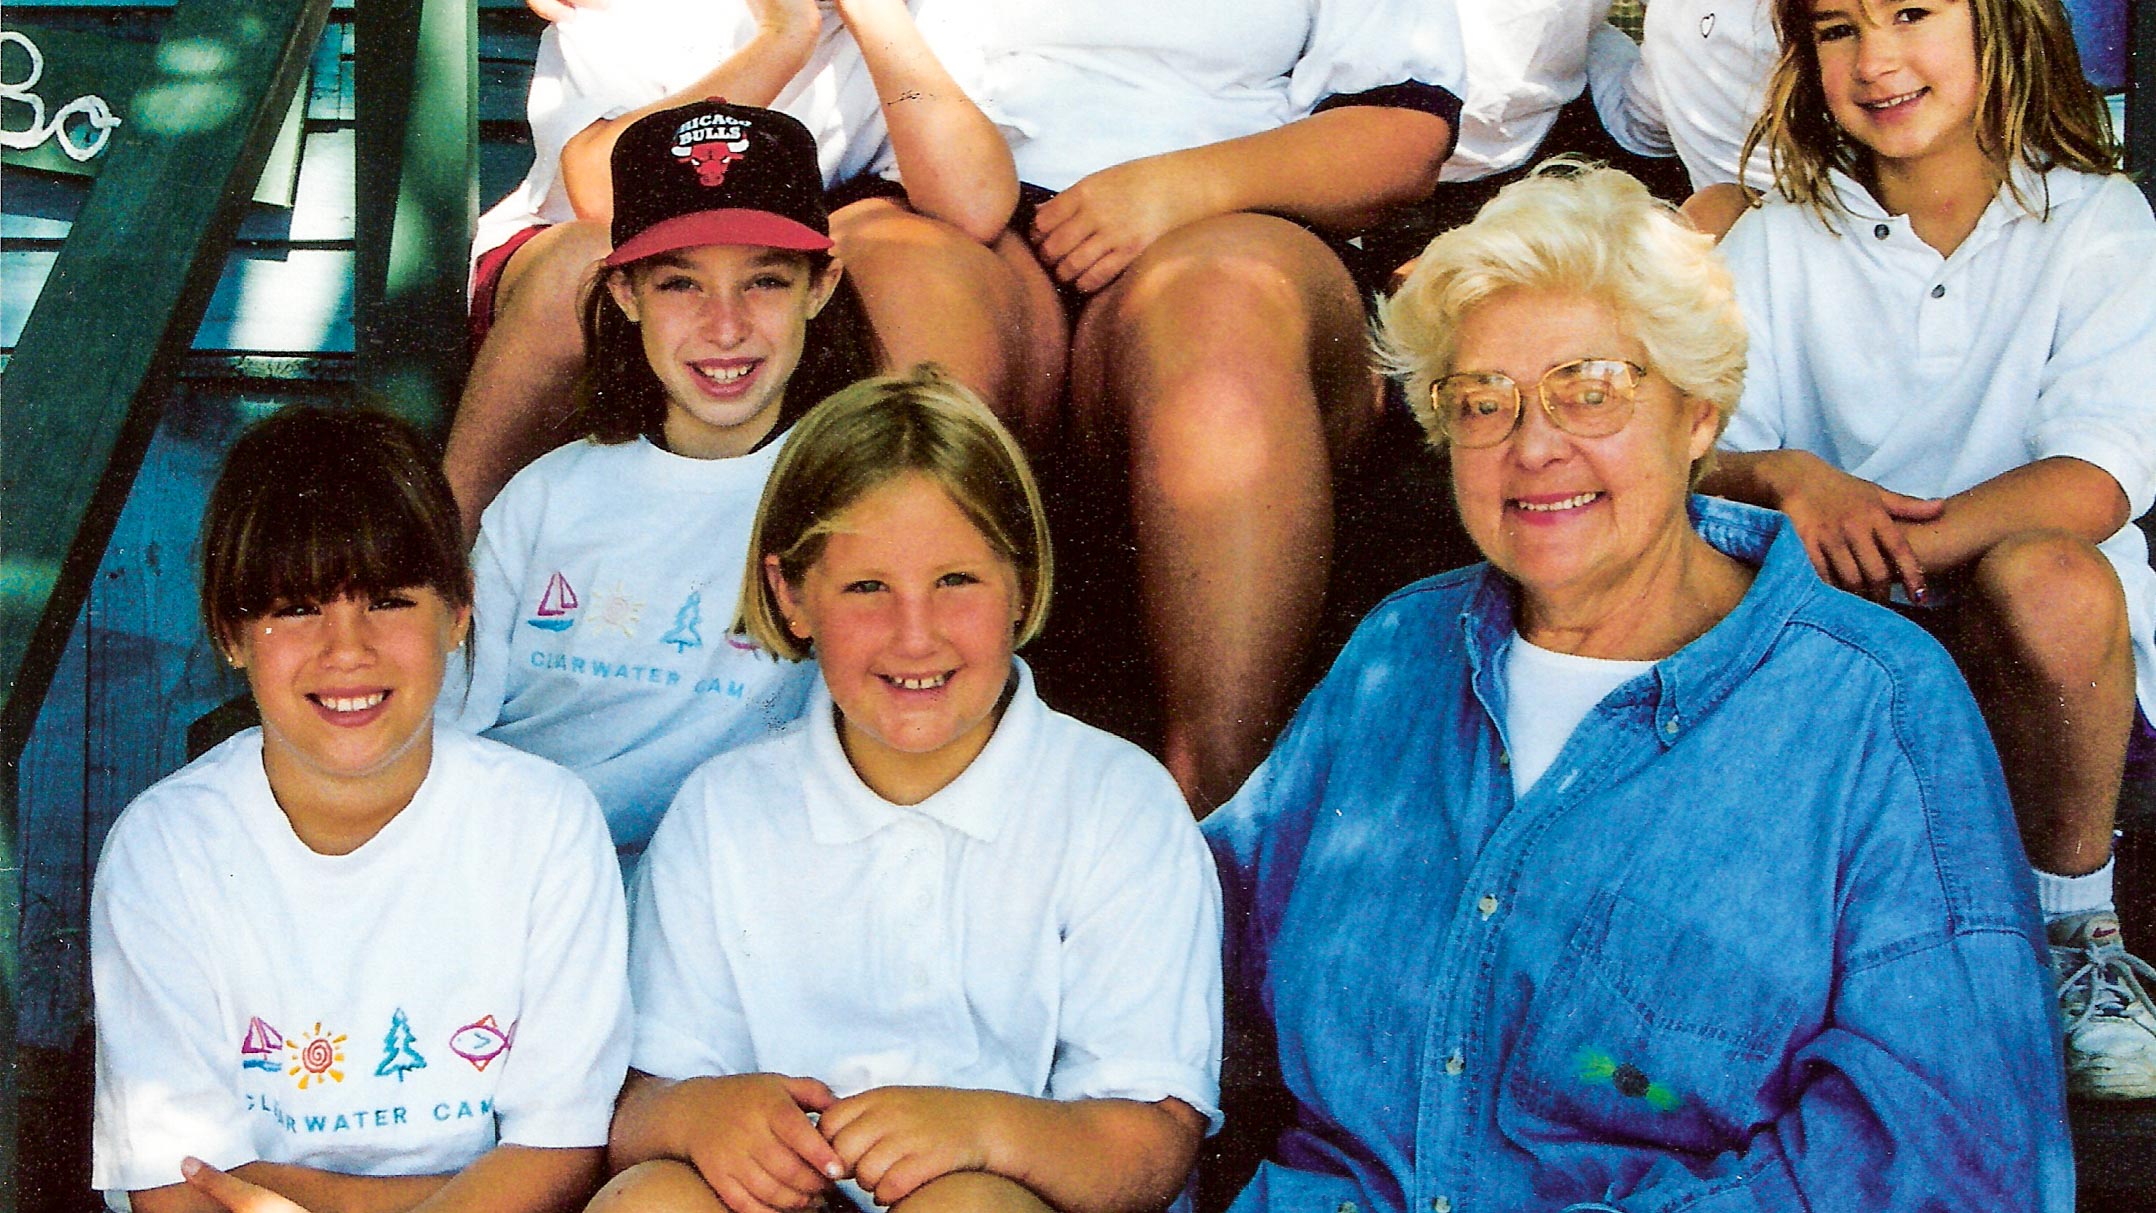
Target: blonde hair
1583,229
862,438
2033,105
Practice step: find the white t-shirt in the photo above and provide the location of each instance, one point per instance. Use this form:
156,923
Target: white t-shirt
1048,924
606,577
457,981
1101,82
1693,85
602,62
1547,694
1527,60
1930,375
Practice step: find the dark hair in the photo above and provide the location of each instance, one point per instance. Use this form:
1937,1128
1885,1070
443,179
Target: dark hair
315,503
618,398
2033,104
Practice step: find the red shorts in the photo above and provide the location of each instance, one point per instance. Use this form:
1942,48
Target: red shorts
486,276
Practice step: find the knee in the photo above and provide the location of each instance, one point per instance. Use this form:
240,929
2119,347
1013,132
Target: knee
1225,278
2056,595
659,1186
971,1192
546,279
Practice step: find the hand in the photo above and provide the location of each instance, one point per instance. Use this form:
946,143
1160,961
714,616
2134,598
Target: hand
1855,530
233,1192
1090,233
788,19
894,1139
750,1137
555,10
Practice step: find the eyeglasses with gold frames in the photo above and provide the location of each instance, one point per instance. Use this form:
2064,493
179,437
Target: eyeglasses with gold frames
1588,398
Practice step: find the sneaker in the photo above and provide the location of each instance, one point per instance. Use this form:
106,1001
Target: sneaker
2104,998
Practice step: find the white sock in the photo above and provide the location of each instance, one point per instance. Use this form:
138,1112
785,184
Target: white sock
2065,896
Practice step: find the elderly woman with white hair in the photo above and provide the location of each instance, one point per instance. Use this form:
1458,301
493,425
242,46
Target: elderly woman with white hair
1635,868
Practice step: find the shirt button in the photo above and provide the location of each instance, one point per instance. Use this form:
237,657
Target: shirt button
1488,905
1671,727
1455,1065
1939,291
1440,1204
1504,759
1346,1206
1882,231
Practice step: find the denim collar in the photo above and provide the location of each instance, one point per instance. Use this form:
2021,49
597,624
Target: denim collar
1689,683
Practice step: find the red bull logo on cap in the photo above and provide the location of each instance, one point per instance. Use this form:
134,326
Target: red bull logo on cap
709,143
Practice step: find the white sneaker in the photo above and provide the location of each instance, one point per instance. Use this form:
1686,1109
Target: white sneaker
2104,998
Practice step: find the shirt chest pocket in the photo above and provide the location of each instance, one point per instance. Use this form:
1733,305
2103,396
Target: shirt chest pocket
1648,1032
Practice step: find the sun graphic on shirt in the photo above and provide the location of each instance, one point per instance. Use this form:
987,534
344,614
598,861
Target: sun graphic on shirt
315,1057
613,608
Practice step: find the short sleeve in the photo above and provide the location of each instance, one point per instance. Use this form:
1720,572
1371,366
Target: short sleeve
1757,424
1405,53
2093,403
572,1034
162,1048
1140,1016
689,1017
1624,96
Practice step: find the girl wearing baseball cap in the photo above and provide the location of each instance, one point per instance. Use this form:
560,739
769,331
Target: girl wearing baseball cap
605,571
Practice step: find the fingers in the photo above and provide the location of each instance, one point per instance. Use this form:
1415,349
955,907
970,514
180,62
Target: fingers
1904,508
1907,568
811,1094
815,1157
231,1191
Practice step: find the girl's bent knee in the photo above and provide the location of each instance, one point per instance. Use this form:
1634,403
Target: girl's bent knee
971,1192
659,1186
2053,576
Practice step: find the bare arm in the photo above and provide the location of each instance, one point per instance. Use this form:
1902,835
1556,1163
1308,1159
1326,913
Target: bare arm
1717,208
506,1179
785,36
2057,494
1854,530
1080,1156
748,1135
954,163
1340,170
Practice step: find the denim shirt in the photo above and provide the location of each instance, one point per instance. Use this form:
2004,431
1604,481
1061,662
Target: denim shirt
1762,936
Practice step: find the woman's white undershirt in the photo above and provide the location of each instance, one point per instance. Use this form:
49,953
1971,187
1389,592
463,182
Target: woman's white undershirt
1547,694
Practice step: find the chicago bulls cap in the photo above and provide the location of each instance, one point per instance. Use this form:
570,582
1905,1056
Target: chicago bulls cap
714,173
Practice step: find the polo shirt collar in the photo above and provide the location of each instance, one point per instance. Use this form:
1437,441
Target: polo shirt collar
842,809
2041,190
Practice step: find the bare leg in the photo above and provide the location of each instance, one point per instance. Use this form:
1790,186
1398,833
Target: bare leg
518,398
2049,657
1228,366
971,1192
933,294
660,1186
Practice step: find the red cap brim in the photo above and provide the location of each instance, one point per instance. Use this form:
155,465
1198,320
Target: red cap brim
719,227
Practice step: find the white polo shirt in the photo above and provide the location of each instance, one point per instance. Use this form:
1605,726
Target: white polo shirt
601,62
456,982
1101,82
1929,375
1048,924
1693,85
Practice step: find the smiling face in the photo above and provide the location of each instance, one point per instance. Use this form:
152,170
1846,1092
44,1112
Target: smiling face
1901,78
346,689
1573,519
722,327
912,615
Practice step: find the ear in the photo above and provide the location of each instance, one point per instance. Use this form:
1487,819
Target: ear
460,630
1705,426
624,293
825,285
789,605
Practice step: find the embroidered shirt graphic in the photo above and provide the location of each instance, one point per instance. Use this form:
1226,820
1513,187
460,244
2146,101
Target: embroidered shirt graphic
557,606
684,634
316,1057
261,1048
482,1041
1629,1080
615,609
398,1054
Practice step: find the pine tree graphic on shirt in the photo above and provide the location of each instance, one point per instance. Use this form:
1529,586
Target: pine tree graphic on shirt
398,1055
684,635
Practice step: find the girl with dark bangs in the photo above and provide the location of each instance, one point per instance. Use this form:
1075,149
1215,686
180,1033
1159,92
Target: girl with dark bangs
310,945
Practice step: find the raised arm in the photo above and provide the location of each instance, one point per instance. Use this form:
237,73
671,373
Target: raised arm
506,1179
1339,169
952,160
786,32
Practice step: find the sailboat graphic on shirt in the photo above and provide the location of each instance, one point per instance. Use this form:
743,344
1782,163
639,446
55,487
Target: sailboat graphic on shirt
557,606
258,1047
